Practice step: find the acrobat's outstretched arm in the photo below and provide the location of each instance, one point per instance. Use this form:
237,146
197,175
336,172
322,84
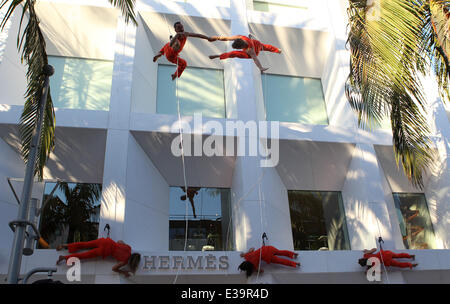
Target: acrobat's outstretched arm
252,54
116,268
226,38
157,56
369,251
195,35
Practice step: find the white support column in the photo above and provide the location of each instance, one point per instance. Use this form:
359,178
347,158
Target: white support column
112,209
365,206
337,67
259,198
437,191
366,210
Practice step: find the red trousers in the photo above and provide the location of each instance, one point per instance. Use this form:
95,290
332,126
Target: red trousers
173,57
243,54
275,259
387,258
270,254
391,262
100,248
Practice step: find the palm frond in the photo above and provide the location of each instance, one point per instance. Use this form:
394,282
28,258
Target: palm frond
127,9
32,44
386,60
437,42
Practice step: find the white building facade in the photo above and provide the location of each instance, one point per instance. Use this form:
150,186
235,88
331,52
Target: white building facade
117,121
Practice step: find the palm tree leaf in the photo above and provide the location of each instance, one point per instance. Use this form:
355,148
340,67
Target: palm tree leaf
386,59
127,9
437,40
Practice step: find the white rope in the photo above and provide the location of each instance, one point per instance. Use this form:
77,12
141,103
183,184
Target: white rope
184,167
182,155
381,254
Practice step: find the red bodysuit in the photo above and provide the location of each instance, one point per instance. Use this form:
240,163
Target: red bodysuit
252,44
101,248
387,258
269,255
173,57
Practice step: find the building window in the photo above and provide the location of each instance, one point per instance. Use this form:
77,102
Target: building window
294,99
83,84
318,220
279,6
199,91
72,214
209,221
414,219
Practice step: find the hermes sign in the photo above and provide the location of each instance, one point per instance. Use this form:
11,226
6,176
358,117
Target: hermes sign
207,262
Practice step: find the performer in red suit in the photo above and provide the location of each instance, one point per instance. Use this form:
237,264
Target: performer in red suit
268,254
173,48
103,247
250,49
387,258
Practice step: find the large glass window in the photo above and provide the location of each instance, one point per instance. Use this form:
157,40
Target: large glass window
294,99
415,222
209,219
279,6
199,91
72,213
318,220
81,83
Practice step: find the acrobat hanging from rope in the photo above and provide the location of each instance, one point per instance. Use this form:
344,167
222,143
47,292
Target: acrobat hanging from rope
268,254
104,247
387,257
173,48
250,49
191,192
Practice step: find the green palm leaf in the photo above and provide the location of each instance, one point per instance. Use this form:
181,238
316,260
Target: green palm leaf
32,44
388,55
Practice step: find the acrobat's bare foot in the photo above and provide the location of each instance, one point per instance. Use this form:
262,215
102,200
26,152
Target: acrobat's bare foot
295,255
414,265
213,56
61,257
61,247
264,69
413,257
174,76
298,264
280,51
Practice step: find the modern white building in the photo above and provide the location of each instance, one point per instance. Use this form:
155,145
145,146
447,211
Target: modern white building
334,188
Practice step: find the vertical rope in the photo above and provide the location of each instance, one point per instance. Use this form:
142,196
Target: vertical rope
184,167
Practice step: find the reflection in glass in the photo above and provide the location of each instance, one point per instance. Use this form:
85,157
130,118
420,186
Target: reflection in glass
414,219
278,6
294,99
199,91
318,220
83,84
209,219
72,213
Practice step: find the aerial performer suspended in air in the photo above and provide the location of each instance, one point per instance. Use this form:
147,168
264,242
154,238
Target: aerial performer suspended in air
191,192
268,254
173,48
250,49
104,247
387,258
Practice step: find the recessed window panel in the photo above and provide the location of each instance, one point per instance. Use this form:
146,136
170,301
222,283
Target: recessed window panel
72,213
294,99
280,6
414,219
198,90
78,83
208,219
318,220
